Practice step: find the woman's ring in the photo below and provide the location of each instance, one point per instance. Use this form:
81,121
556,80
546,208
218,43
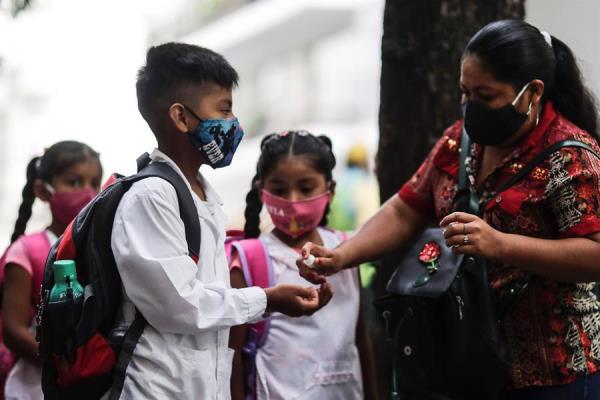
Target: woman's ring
464,229
466,239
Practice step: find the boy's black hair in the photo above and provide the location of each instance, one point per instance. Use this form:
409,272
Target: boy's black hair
170,68
56,160
274,147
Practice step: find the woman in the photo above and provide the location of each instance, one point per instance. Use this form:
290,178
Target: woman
522,92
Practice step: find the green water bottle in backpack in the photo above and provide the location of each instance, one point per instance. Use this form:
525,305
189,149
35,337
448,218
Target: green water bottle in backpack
66,287
65,302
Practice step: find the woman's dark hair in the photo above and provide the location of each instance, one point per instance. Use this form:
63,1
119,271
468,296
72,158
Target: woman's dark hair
56,160
274,147
517,53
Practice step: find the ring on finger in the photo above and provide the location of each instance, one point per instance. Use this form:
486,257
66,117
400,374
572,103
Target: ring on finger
464,229
466,239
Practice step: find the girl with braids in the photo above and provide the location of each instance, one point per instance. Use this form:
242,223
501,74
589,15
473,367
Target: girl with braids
67,177
314,357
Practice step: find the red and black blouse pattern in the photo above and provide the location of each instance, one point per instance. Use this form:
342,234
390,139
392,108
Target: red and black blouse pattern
554,327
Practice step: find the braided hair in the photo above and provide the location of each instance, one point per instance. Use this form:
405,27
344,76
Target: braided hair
56,160
275,146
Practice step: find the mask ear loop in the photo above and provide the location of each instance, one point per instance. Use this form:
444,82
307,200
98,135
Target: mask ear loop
49,188
514,102
537,118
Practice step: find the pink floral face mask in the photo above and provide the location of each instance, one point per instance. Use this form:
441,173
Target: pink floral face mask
295,218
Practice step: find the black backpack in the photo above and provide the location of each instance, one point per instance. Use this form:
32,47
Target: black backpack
444,329
83,355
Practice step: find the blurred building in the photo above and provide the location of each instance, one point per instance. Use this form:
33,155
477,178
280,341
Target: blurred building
67,71
303,64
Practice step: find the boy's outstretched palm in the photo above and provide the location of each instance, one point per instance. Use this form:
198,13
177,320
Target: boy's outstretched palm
296,301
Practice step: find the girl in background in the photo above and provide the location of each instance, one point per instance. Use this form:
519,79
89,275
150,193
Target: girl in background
67,177
313,357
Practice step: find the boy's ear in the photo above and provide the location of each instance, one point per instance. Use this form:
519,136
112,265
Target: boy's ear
179,118
40,191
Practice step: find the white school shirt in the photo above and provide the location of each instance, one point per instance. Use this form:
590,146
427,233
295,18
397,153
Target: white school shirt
313,357
183,352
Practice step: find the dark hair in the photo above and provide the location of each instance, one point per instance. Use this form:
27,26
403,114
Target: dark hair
170,67
517,52
274,147
56,160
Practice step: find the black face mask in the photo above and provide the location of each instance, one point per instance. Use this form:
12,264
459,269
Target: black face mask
493,126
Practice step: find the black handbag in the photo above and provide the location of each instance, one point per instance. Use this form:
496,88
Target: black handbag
444,329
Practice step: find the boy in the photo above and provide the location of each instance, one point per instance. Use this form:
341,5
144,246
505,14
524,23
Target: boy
185,95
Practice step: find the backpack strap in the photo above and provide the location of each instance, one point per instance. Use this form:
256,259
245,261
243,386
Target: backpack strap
189,215
37,246
258,271
187,207
134,332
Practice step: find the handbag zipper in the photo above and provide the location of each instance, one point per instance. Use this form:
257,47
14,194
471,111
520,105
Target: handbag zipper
461,304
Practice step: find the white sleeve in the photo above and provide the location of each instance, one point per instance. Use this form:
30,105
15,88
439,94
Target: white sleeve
150,250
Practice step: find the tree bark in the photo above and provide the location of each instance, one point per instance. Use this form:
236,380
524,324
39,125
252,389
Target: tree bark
422,44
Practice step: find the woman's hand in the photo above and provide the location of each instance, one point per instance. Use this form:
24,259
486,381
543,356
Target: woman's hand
326,262
469,234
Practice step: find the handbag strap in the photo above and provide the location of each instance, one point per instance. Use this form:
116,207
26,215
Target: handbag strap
464,189
466,199
465,147
538,159
517,287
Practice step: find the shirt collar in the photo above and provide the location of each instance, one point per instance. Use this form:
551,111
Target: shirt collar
211,194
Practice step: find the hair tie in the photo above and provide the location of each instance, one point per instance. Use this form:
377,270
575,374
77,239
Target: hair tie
547,37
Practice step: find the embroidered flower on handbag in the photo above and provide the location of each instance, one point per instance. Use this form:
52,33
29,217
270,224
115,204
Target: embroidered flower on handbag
429,256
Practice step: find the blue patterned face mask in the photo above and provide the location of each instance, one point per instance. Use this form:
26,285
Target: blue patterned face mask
217,139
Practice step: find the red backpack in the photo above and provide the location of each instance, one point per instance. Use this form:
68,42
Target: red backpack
83,355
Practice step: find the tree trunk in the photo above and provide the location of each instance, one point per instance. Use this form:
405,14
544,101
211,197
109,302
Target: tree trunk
423,41
422,44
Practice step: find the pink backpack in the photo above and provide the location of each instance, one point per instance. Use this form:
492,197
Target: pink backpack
258,271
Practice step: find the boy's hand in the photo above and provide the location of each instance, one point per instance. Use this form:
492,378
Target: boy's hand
297,301
325,262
